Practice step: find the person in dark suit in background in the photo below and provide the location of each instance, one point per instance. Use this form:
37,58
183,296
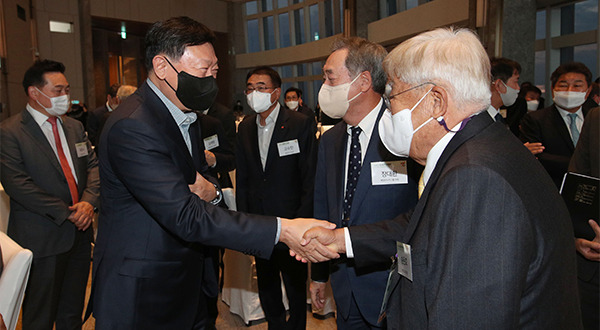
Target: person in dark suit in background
96,117
483,247
532,96
586,161
373,196
504,87
293,101
557,127
50,173
275,172
158,208
227,121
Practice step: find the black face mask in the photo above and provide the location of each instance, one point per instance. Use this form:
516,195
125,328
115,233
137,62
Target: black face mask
194,92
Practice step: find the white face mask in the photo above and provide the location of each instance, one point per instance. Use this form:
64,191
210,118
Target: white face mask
568,100
333,100
532,105
259,101
396,131
60,104
292,105
510,96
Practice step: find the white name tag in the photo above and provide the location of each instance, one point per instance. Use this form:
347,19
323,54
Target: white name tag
404,260
81,149
392,172
287,148
211,142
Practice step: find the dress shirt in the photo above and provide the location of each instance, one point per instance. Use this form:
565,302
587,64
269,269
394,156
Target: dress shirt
108,107
182,119
493,112
46,127
265,133
432,159
565,116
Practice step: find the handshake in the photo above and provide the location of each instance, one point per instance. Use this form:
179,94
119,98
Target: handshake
312,240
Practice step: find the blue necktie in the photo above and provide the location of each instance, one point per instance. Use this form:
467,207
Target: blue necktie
354,165
499,118
573,128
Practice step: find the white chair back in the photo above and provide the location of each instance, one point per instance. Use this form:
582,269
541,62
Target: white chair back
13,281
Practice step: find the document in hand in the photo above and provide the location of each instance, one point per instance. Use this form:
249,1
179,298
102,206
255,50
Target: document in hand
580,193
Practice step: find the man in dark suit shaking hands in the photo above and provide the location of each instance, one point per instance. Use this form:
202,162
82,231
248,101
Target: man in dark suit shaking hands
490,243
157,206
381,189
275,171
50,172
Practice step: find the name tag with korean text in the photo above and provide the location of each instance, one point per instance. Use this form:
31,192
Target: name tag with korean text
287,148
404,260
211,142
391,172
81,149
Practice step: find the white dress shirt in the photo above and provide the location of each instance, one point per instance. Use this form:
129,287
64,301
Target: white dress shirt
46,127
565,116
265,133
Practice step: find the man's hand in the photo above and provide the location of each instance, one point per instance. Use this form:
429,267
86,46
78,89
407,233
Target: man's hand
590,249
317,294
291,234
535,147
319,244
211,160
82,215
203,188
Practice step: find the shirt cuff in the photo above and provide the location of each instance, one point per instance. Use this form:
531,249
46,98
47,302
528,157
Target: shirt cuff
349,251
278,230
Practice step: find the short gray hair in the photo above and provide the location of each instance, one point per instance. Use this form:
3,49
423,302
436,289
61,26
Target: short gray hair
450,57
124,91
364,55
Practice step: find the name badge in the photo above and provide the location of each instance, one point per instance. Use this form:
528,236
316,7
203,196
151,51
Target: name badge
391,172
81,149
287,148
404,260
211,142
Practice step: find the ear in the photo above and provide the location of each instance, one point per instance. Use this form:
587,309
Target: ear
32,92
498,85
160,66
366,81
440,101
589,90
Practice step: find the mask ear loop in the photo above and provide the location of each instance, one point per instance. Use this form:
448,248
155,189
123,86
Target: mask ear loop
442,122
166,59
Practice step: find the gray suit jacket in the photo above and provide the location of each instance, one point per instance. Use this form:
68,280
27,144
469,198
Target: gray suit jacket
491,242
38,190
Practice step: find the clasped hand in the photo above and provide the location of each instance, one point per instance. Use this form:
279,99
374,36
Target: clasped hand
312,240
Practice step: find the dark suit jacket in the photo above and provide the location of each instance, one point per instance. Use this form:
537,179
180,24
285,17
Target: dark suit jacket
147,267
285,187
94,123
491,242
548,127
33,178
371,203
225,116
210,127
585,161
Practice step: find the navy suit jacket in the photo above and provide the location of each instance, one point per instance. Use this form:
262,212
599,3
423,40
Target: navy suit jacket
285,187
491,241
147,262
39,194
371,203
548,127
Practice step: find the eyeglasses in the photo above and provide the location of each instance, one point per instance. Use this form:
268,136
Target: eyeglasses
388,98
261,89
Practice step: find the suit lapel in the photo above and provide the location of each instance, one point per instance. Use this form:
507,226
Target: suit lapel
337,168
32,129
71,137
561,126
474,127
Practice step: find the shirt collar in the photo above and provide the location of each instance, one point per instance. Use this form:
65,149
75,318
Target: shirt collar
367,124
492,111
178,115
271,118
436,152
108,107
39,117
564,113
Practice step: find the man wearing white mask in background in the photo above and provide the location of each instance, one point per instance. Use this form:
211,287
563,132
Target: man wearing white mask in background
50,172
275,172
557,127
504,87
381,187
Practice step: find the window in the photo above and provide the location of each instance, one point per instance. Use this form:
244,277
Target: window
282,3
540,25
267,5
269,33
253,36
284,30
299,26
314,22
251,8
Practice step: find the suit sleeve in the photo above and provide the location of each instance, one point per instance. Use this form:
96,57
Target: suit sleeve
20,186
224,152
91,194
145,167
581,162
241,172
92,127
479,251
532,132
307,163
320,271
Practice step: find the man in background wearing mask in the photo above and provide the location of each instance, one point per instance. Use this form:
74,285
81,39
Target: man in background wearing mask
97,117
275,172
557,127
158,209
358,180
50,172
293,101
504,87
